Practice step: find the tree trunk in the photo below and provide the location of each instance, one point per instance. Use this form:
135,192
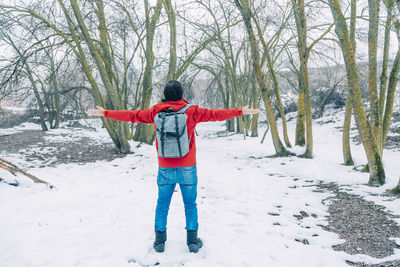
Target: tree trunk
37,96
393,80
230,124
377,173
144,131
386,117
233,100
385,61
104,72
307,104
373,7
255,104
347,157
172,40
279,101
81,57
274,82
300,139
298,8
53,78
244,9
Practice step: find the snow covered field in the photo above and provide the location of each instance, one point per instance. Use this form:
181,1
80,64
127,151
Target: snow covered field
102,213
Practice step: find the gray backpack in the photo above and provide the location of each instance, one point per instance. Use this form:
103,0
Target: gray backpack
171,131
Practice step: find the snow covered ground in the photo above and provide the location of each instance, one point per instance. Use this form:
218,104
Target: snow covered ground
102,213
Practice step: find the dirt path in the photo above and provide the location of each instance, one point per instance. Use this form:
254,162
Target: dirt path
367,228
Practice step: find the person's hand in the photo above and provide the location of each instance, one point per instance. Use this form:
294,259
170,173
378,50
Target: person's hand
96,112
247,111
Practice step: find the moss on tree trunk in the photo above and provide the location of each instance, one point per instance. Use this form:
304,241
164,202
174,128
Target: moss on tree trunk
377,173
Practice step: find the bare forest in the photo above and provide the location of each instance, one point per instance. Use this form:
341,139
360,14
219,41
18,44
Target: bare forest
295,60
61,57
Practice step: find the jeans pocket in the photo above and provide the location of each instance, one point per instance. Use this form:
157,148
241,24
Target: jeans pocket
163,175
189,175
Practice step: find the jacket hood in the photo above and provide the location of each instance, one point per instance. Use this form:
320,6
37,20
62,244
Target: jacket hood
176,105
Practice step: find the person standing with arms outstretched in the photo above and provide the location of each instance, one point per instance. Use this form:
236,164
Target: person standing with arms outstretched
175,121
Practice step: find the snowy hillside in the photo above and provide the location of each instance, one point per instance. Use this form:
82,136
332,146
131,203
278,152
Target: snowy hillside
253,210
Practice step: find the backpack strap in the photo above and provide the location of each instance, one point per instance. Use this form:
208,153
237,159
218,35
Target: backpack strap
162,131
177,134
183,109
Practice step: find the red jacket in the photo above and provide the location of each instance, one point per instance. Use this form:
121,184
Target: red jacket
194,114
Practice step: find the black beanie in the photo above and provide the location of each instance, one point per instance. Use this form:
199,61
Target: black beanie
173,91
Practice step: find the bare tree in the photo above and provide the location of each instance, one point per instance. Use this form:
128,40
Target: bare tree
347,158
245,10
145,132
304,53
377,173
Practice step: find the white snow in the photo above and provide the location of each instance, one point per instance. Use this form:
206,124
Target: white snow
102,213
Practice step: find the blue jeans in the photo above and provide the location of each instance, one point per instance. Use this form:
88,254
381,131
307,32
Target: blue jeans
167,179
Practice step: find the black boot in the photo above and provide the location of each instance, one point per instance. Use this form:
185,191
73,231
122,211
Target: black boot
194,243
159,243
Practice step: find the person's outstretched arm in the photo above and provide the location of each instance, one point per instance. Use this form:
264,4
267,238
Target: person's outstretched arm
124,115
204,115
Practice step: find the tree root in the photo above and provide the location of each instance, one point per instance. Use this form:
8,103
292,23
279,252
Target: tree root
285,153
396,190
365,168
349,162
375,182
306,155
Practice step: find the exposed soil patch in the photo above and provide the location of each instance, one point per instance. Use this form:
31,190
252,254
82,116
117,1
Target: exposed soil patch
10,119
35,149
12,143
366,227
383,264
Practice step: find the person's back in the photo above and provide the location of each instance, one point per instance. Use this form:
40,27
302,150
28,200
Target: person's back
173,170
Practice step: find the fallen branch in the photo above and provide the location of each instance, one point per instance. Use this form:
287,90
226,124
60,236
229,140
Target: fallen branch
14,169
